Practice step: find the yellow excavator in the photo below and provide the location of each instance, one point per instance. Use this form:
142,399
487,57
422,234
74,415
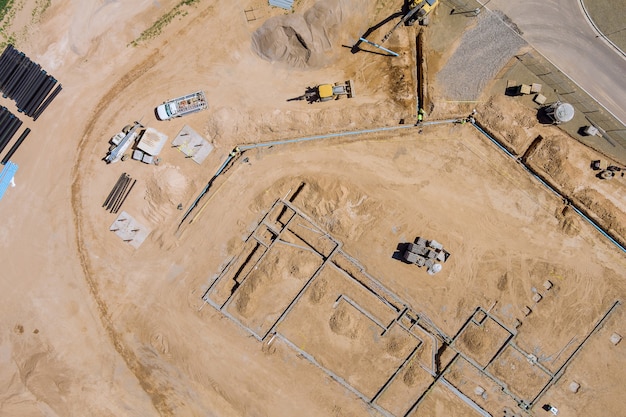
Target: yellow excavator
418,12
327,92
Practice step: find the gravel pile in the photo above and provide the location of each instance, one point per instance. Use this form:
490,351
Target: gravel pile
482,52
303,40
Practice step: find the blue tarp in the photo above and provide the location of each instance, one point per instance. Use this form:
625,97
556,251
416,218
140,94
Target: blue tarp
6,176
283,4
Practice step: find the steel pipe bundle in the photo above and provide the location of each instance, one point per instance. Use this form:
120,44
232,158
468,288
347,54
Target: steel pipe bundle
15,146
26,82
9,124
118,194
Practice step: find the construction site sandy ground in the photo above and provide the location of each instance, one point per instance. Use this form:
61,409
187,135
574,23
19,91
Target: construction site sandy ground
282,292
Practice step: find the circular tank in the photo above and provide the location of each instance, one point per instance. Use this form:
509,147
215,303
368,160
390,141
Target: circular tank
561,112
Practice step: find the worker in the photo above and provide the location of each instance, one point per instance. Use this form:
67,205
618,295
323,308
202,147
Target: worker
420,116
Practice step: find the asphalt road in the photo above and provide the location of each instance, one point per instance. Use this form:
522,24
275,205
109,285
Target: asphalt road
560,31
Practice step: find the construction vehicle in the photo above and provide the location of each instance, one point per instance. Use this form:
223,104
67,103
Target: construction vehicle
418,12
122,141
327,92
181,106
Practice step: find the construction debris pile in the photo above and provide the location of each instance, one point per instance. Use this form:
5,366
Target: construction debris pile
428,253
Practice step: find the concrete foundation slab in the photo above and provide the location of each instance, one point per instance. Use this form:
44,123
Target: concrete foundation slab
129,230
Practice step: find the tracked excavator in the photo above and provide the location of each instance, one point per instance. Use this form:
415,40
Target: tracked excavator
418,12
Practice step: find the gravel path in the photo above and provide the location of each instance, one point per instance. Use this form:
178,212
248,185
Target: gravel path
482,52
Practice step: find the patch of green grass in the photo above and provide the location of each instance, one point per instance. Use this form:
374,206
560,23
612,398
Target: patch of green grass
5,7
156,29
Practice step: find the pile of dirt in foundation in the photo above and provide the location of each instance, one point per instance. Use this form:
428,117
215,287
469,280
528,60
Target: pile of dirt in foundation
302,40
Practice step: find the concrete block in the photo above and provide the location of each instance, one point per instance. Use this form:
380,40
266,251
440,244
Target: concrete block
511,83
479,390
412,247
616,338
524,89
537,297
547,284
435,245
540,99
410,257
527,310
535,88
591,130
574,386
518,323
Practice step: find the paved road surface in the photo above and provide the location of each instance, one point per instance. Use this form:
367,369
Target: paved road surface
559,30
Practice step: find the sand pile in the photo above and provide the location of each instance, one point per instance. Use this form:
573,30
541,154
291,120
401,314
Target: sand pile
302,40
164,191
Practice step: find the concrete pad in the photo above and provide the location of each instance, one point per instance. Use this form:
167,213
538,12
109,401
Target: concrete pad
129,230
192,144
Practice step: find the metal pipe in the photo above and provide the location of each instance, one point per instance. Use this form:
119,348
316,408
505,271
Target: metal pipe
15,146
47,102
119,181
124,198
14,74
14,126
7,66
36,85
45,85
31,108
4,115
379,47
117,192
121,192
6,125
24,70
27,84
4,54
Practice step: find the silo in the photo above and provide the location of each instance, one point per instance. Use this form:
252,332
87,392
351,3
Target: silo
560,112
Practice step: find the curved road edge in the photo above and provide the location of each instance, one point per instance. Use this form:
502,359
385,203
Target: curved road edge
600,34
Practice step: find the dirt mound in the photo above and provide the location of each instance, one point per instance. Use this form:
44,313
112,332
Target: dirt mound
164,192
301,40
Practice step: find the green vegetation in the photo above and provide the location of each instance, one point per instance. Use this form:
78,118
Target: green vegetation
155,30
7,13
5,6
40,8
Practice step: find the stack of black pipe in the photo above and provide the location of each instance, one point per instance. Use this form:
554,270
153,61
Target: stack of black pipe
9,124
25,82
118,193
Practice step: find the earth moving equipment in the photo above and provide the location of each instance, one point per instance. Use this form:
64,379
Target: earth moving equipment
418,12
327,92
181,106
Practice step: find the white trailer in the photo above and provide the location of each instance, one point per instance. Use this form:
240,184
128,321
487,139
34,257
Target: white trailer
181,106
121,142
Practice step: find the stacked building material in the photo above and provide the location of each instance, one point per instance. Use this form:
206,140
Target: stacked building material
428,253
119,192
9,124
26,83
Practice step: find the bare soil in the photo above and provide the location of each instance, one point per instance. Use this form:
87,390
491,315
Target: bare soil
92,326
